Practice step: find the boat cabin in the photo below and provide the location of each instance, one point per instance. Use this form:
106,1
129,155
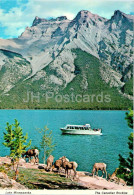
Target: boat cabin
79,127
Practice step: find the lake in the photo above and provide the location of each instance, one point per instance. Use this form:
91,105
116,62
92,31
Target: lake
84,149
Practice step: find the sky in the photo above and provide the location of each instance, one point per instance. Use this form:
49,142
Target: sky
16,15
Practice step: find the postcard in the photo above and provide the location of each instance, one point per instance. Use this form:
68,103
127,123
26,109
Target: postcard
66,97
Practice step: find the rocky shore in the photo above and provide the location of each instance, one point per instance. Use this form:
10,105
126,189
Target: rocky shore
51,180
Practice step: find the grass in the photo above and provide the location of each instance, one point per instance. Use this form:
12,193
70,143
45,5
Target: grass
39,179
2,169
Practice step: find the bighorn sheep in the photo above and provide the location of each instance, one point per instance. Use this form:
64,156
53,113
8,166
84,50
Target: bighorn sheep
99,166
50,160
115,179
30,153
59,163
64,158
68,166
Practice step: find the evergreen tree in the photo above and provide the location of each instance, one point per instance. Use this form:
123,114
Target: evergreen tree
129,118
126,165
9,137
15,140
46,142
19,146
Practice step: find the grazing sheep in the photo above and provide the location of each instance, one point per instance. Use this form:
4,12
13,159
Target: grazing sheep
115,179
64,158
99,166
68,166
30,153
59,163
50,160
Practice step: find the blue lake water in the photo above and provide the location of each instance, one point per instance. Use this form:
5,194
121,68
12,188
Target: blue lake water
84,149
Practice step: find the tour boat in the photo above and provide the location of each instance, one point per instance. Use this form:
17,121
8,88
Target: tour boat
81,130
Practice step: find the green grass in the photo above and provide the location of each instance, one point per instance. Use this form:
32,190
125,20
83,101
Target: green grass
39,179
2,169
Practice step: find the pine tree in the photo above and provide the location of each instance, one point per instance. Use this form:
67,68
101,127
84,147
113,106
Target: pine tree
15,140
129,118
46,142
127,164
9,137
19,146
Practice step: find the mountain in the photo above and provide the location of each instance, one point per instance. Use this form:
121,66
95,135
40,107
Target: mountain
48,57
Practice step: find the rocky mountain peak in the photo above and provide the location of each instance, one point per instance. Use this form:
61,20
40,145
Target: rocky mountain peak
49,43
120,21
118,15
86,16
61,18
38,20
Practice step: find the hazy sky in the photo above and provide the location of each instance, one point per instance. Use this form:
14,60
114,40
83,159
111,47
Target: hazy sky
16,15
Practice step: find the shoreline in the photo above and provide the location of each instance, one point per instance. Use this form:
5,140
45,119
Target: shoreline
53,180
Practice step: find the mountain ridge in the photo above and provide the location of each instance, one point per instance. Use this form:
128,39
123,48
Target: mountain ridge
49,44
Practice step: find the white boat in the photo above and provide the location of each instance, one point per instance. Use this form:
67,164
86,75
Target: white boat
81,130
